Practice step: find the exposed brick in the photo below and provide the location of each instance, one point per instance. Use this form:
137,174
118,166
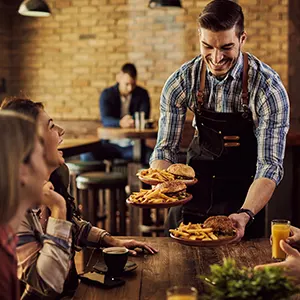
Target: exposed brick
62,3
88,9
80,49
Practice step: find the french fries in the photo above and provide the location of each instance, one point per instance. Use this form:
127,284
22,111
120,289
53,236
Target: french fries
156,174
194,232
151,197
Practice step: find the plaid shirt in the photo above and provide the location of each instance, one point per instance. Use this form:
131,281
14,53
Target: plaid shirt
9,284
45,253
268,103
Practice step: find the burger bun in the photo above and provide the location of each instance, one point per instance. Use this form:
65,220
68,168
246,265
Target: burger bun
174,186
181,170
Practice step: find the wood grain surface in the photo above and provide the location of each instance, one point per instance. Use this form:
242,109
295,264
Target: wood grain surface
120,133
72,147
175,264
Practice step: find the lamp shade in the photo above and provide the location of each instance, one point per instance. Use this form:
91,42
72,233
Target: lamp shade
165,3
34,8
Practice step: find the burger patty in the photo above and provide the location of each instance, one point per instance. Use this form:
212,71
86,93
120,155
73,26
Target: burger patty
180,195
221,225
179,177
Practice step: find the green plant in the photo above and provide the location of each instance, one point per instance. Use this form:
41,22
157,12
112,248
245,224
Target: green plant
230,282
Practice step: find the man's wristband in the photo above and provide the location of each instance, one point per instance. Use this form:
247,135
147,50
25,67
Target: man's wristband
249,213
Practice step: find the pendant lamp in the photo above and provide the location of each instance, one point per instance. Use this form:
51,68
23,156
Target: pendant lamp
34,8
165,3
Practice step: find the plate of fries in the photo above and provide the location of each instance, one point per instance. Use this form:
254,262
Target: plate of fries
157,199
197,235
156,176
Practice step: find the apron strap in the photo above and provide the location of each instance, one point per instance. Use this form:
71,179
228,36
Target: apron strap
245,93
200,94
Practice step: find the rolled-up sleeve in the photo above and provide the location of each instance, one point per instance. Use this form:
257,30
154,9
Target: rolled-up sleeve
87,235
44,260
173,109
273,124
55,254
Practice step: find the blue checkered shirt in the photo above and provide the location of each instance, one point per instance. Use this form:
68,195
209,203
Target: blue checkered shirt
268,103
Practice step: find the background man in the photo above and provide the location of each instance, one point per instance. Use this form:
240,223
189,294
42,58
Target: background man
118,105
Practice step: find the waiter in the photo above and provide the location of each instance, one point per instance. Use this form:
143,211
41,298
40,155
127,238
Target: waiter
242,117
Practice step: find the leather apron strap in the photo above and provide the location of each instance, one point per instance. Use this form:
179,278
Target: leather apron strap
245,93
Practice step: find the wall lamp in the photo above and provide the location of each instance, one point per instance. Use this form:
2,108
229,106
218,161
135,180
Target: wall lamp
34,8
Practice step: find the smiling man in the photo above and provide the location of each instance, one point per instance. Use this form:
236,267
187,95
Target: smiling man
241,119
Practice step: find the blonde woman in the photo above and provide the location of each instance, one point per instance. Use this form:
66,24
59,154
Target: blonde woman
22,175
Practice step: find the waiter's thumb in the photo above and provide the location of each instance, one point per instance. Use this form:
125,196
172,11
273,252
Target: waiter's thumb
288,249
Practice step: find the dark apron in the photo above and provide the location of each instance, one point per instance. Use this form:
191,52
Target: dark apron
223,154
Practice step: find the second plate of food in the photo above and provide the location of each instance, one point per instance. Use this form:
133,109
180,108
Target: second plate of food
215,231
163,195
160,204
158,181
211,243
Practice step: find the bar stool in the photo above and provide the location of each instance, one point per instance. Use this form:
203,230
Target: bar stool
76,167
110,205
117,165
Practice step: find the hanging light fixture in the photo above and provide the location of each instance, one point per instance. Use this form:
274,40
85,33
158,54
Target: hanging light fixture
34,8
165,3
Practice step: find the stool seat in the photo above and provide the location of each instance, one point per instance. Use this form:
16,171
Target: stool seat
78,166
105,192
101,179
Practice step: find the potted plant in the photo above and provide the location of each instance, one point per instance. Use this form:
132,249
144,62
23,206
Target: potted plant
230,282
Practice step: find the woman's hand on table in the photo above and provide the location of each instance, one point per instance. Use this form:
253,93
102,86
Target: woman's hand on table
291,265
239,222
129,244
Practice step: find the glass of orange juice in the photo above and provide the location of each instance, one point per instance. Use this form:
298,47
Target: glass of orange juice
182,293
280,231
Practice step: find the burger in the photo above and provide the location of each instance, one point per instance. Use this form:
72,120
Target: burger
222,226
174,189
182,172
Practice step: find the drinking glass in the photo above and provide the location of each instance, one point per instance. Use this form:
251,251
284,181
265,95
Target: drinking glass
137,123
182,293
280,231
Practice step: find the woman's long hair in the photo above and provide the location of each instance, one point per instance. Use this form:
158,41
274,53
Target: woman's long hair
58,177
17,139
60,180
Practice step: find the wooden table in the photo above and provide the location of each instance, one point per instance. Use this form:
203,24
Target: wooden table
138,137
72,147
175,264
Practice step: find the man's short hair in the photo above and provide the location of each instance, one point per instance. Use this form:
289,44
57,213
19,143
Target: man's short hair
130,69
221,15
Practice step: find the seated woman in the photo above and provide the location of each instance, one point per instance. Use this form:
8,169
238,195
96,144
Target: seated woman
22,175
47,265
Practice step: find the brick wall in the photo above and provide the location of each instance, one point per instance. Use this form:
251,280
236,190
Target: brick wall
67,59
266,22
